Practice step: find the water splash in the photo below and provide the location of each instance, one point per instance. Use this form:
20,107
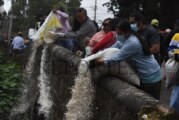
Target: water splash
80,105
44,99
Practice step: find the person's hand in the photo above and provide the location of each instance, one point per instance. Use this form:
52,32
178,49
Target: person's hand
88,50
100,61
86,39
51,32
60,34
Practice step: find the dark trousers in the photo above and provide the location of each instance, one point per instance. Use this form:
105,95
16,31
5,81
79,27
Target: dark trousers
16,52
69,44
153,89
72,45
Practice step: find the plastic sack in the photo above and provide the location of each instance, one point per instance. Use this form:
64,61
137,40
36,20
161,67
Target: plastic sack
171,68
121,70
50,23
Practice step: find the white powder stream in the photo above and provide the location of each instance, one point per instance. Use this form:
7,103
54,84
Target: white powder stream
44,99
80,105
22,107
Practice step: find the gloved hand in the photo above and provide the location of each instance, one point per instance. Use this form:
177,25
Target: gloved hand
60,34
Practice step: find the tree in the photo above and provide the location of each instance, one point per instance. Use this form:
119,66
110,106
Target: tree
163,10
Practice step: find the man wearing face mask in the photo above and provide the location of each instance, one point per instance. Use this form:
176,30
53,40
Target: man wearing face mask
147,33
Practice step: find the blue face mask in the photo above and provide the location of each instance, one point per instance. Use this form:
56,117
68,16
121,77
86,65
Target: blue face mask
134,27
120,37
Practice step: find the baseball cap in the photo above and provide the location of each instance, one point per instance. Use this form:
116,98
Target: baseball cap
154,22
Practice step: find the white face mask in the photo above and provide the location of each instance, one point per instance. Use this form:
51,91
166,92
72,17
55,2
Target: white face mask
134,27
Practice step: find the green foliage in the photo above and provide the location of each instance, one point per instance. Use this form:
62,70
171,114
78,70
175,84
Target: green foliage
2,58
163,10
123,8
10,85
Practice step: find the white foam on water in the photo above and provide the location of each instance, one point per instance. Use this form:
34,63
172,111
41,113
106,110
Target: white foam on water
80,105
44,99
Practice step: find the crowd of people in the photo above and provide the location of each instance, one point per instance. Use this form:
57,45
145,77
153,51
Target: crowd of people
142,45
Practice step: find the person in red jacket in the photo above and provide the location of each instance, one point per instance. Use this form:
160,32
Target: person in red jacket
108,40
99,35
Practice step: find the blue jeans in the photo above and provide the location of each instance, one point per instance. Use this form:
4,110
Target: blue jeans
174,100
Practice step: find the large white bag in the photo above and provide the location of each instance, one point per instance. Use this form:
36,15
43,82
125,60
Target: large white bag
171,68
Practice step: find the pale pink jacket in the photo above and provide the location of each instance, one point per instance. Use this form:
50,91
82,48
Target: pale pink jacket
96,38
64,20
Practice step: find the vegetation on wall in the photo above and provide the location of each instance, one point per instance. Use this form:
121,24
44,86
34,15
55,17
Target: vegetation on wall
10,86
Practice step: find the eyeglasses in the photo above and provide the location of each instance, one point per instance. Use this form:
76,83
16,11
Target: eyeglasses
105,24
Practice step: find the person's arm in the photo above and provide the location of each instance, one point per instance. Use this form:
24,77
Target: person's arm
105,41
94,39
155,48
62,14
92,43
129,49
82,32
22,43
155,42
117,44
